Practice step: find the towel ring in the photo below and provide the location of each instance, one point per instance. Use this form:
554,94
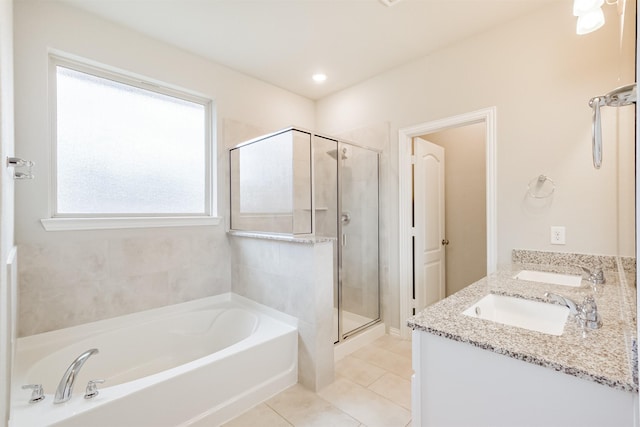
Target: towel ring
541,187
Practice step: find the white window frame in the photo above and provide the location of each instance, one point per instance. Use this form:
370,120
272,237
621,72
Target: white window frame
60,222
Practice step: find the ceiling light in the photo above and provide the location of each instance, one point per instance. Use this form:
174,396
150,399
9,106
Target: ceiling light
580,7
389,3
590,21
319,77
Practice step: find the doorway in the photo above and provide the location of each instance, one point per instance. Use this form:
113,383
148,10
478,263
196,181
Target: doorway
408,231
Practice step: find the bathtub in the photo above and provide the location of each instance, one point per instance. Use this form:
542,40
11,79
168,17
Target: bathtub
199,363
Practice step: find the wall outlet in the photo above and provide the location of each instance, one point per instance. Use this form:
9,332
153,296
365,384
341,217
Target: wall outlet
558,235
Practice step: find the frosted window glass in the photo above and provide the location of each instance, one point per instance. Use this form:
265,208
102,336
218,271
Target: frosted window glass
126,150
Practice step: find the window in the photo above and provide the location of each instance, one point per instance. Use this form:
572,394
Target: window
127,149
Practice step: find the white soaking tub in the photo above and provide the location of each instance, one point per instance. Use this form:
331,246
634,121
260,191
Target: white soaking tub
193,364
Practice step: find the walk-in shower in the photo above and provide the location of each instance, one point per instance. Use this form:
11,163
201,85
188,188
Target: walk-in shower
299,183
347,209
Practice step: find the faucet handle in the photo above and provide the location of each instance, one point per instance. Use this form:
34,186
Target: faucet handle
596,276
588,315
37,394
92,389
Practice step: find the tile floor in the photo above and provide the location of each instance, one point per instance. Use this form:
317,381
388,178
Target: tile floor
372,389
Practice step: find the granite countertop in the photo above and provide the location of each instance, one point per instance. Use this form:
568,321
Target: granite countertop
606,356
304,238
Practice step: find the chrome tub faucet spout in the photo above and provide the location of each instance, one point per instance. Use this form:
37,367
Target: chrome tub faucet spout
65,387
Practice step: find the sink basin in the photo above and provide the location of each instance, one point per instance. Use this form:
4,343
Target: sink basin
532,315
552,278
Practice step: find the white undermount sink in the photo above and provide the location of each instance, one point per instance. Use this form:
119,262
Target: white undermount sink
522,313
551,278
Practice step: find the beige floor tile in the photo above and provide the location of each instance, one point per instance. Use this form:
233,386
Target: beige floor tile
303,408
261,415
385,359
364,405
386,340
359,371
394,388
394,344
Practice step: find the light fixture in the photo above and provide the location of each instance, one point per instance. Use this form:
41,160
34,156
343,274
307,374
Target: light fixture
580,7
319,77
590,21
590,14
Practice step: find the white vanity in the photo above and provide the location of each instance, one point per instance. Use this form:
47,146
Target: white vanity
469,371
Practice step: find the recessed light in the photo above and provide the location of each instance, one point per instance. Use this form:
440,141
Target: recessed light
319,77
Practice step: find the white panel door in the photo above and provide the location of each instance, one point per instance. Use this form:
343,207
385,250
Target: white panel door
429,261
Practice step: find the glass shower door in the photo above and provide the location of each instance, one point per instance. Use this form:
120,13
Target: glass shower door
359,293
326,208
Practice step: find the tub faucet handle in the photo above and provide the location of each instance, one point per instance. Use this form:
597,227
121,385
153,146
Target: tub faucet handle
92,389
37,394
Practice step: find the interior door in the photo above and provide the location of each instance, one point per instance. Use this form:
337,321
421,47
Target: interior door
429,232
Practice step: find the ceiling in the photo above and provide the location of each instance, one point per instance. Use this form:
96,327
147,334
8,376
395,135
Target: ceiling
283,42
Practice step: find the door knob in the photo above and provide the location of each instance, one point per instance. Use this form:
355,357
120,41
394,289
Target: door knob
445,242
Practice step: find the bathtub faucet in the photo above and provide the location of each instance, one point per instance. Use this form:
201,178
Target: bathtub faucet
65,388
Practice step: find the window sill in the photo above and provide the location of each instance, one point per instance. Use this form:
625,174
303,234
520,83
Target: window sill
64,224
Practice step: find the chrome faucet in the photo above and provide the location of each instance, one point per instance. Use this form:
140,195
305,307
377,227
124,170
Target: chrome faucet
596,276
65,387
573,307
586,314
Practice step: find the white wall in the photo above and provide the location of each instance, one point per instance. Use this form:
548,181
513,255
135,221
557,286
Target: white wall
540,75
7,286
69,278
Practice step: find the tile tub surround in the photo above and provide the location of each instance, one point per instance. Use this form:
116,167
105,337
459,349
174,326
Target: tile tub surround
295,276
605,356
68,283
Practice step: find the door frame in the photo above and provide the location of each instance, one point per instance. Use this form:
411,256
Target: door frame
405,136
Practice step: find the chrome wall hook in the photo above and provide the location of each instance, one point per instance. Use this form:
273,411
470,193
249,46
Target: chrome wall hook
16,162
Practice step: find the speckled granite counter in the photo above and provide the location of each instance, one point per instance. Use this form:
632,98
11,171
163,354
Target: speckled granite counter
607,356
304,239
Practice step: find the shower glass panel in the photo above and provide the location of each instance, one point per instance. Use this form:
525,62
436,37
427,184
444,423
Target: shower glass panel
326,207
271,184
359,291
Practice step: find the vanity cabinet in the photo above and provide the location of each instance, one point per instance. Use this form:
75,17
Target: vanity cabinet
458,384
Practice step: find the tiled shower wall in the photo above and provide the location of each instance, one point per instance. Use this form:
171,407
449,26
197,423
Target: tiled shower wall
66,284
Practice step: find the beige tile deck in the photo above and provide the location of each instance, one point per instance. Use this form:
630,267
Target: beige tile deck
372,389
